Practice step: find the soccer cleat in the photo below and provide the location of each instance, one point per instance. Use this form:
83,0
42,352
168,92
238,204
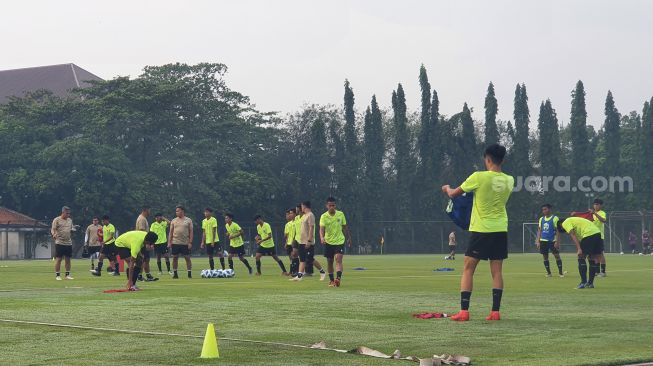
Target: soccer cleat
151,279
462,316
580,286
171,273
96,273
175,276
602,274
337,282
69,277
139,278
58,278
160,273
589,285
332,283
258,273
250,271
548,275
562,275
115,273
134,288
322,276
494,315
297,278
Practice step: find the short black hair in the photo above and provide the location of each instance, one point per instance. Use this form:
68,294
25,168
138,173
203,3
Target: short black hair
229,215
290,210
180,207
96,218
560,228
258,217
307,204
105,217
209,209
547,205
158,214
143,208
496,153
599,201
331,199
151,237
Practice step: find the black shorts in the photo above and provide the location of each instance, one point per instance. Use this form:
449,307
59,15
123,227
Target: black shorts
602,246
93,249
301,248
289,249
545,246
239,251
266,251
216,248
161,248
180,249
592,245
63,250
484,246
109,250
330,250
124,253
452,247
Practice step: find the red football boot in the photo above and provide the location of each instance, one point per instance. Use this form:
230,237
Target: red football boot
462,316
337,282
494,315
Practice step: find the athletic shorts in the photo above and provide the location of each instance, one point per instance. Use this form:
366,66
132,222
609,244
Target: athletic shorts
309,253
216,248
289,249
602,247
452,247
484,246
239,251
301,249
180,249
146,254
124,253
266,251
109,250
161,248
331,250
63,250
592,245
93,249
545,246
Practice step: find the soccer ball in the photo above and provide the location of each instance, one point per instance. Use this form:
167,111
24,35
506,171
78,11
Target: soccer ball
641,253
622,253
228,273
214,274
220,273
205,273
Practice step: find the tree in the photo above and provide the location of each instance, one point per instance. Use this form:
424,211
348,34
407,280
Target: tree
374,147
491,110
402,159
520,157
425,142
350,172
550,153
580,146
612,138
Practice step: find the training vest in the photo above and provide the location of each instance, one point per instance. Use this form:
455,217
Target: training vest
548,229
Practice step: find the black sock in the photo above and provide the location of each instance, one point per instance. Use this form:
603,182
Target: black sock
231,263
67,273
496,298
594,269
294,267
116,267
249,268
175,272
559,264
211,263
322,270
300,275
465,297
331,276
190,273
602,267
582,269
137,271
547,266
281,265
57,274
339,274
168,264
258,266
158,264
99,266
222,263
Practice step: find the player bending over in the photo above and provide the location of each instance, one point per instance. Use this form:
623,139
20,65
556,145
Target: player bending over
488,227
132,247
333,229
549,239
236,243
211,239
180,241
289,236
160,228
587,238
266,245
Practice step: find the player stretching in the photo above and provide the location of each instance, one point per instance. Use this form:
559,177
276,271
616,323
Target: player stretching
307,243
265,243
93,240
160,228
180,241
600,218
289,236
587,238
452,246
143,225
333,229
62,226
132,246
210,238
549,239
236,243
488,227
108,249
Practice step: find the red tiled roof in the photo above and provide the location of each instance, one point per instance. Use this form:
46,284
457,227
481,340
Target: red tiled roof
13,218
59,79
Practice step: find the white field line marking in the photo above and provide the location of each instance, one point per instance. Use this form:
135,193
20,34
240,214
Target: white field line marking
100,329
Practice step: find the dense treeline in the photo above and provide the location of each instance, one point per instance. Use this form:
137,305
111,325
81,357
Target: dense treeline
178,134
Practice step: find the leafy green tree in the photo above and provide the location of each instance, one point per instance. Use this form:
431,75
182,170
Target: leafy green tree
404,168
550,152
373,144
581,161
491,110
521,151
612,137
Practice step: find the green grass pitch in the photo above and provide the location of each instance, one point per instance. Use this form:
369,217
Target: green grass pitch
546,321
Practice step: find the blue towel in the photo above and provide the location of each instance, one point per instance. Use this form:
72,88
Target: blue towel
459,210
359,268
445,269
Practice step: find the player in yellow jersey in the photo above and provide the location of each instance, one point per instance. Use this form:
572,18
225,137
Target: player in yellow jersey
265,242
108,249
160,228
333,232
236,244
600,219
131,246
289,234
211,239
587,238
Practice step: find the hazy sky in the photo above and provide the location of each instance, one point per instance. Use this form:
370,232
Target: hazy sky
285,53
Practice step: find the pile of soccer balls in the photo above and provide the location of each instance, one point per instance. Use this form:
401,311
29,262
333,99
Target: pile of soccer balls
217,273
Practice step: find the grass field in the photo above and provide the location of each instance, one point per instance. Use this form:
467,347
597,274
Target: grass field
546,321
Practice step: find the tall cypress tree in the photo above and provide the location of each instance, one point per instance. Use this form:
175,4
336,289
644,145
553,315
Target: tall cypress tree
646,175
351,160
374,147
435,137
580,146
521,163
424,140
491,110
319,176
402,160
612,137
337,182
550,152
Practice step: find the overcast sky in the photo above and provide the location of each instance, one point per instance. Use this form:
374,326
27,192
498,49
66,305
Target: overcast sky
285,53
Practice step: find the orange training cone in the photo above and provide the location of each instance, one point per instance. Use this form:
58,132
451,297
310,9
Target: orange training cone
210,347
